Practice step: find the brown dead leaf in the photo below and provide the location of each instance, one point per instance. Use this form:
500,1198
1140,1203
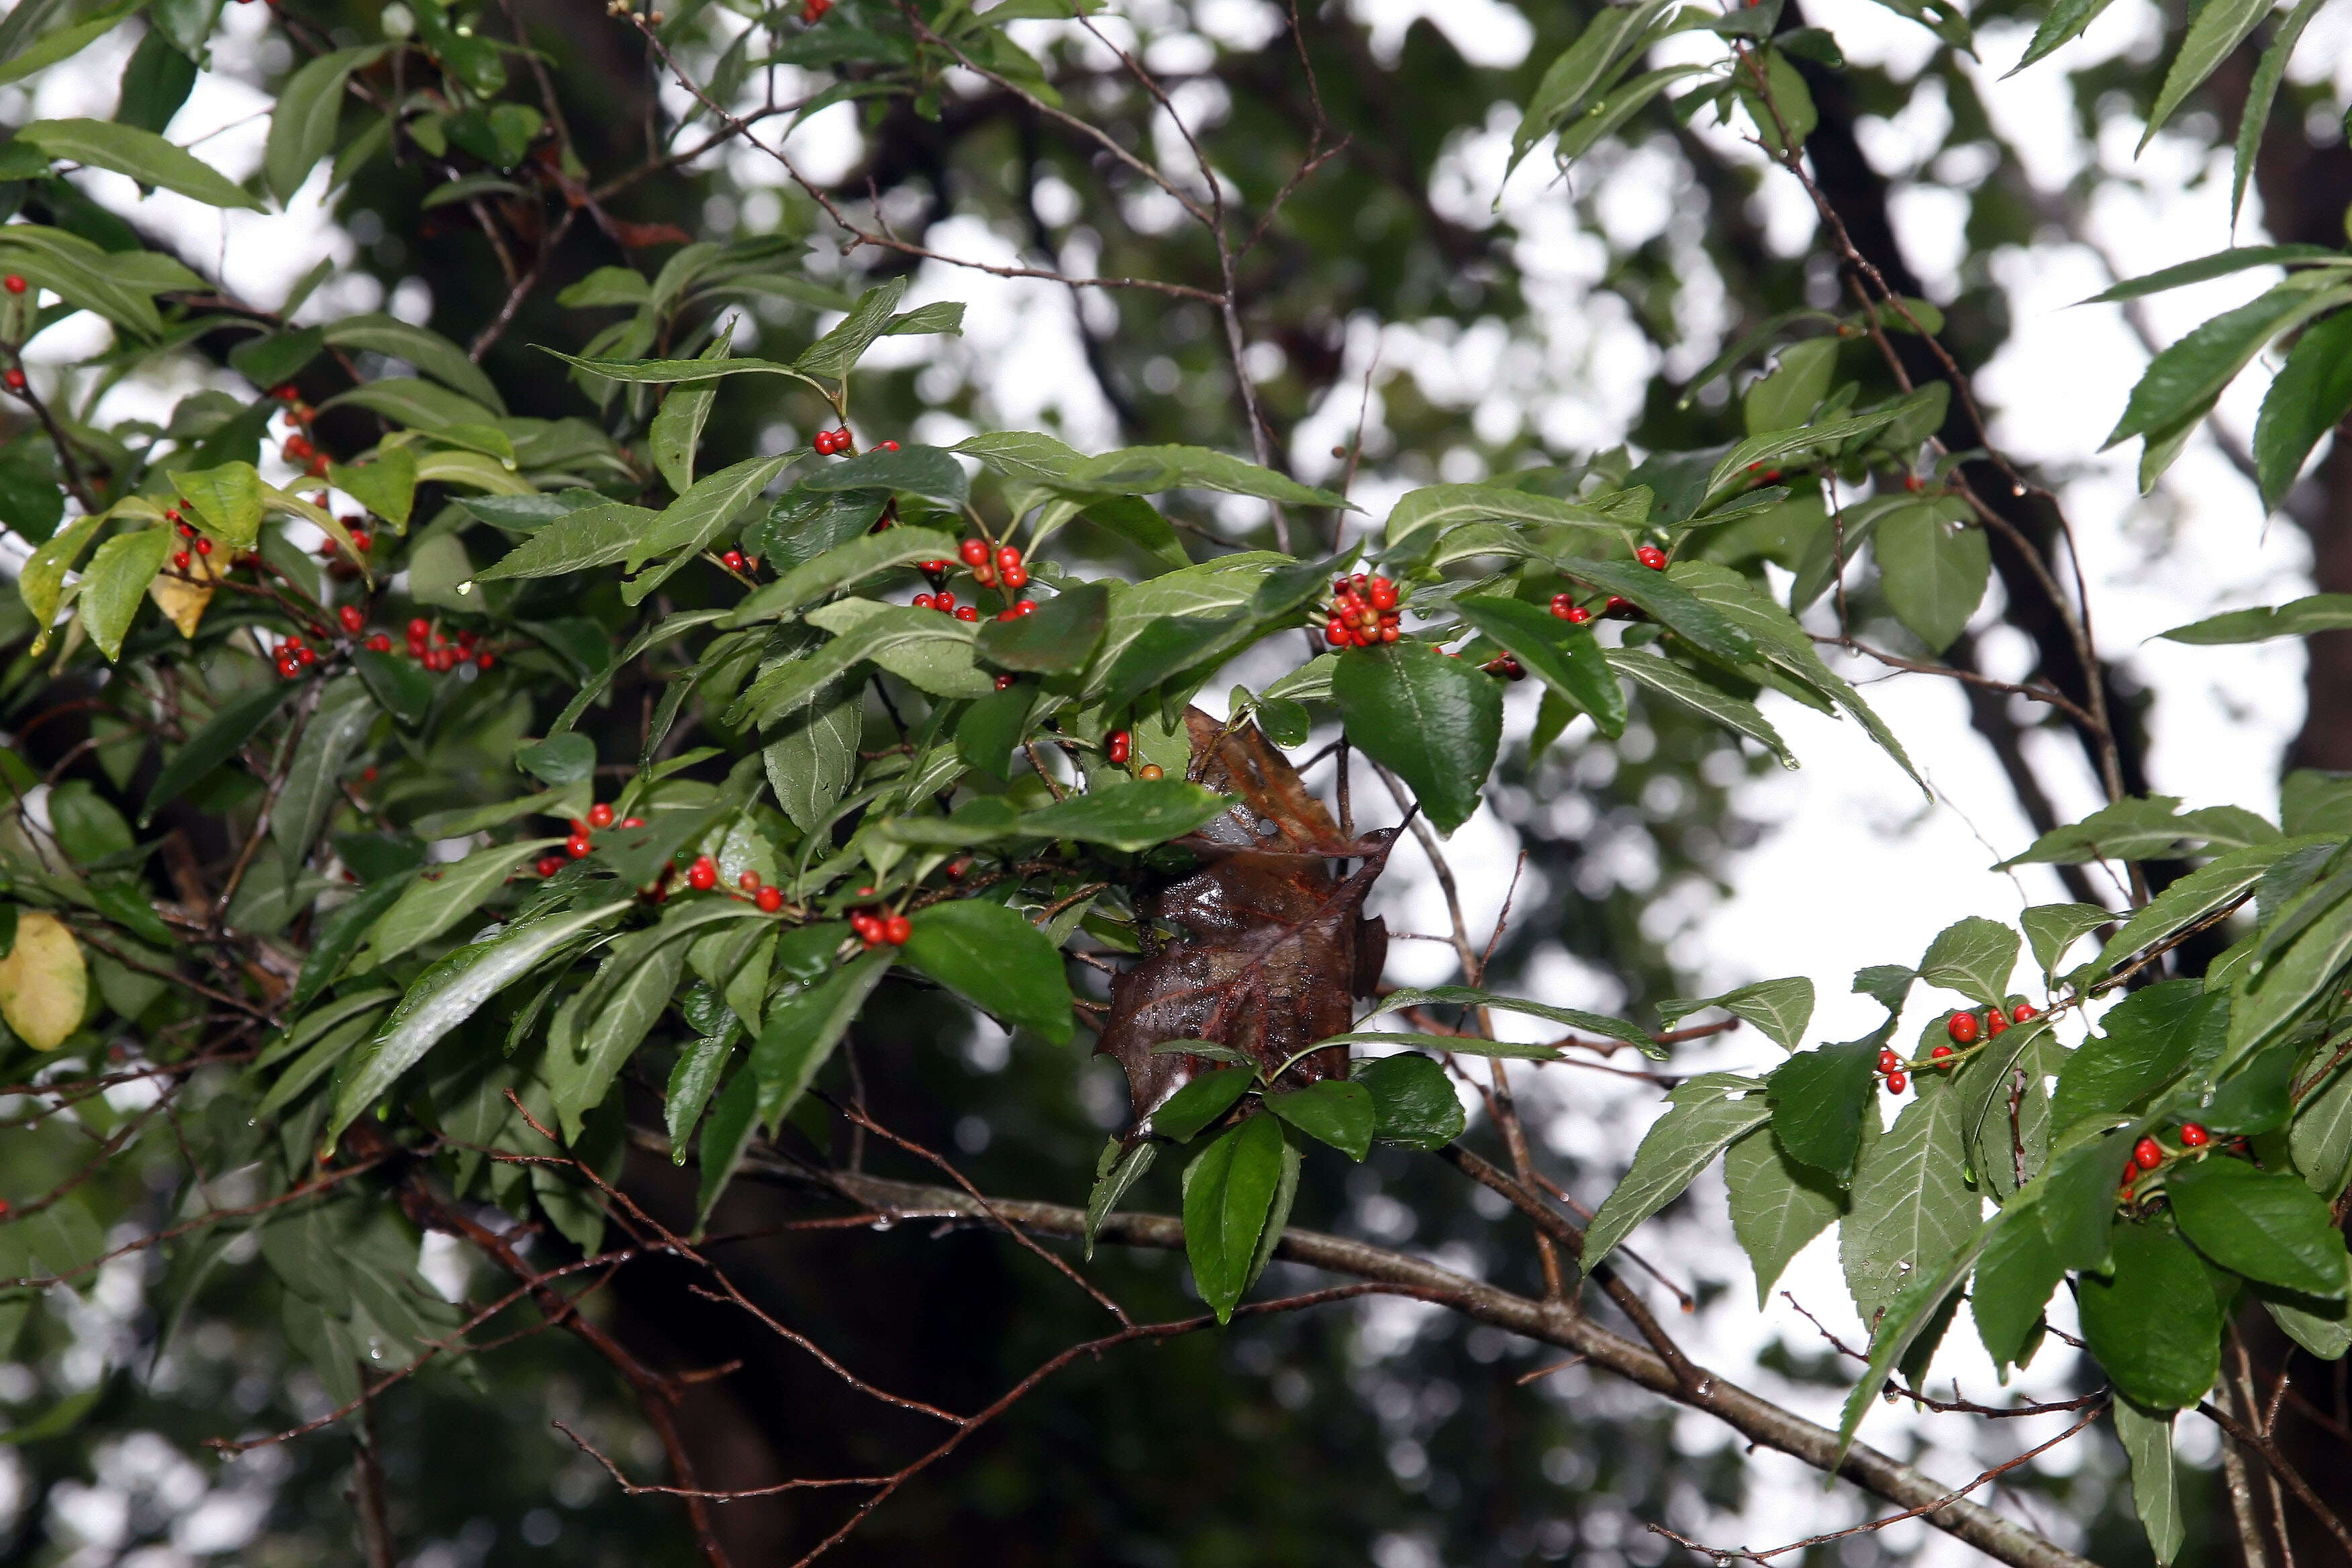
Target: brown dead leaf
1274,946
181,601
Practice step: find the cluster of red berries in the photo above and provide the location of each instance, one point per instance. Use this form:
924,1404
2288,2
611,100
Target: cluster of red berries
295,655
1966,1028
877,929
428,648
829,443
362,541
989,568
2148,1153
1504,667
1363,611
298,450
15,377
1119,746
1565,606
195,541
582,843
945,603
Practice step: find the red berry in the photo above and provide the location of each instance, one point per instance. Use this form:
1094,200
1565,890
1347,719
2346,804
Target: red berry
868,927
734,560
967,614
1014,576
2193,1135
307,653
888,446
419,629
2024,1011
1007,557
1620,607
1996,1021
14,378
1896,1083
943,601
2148,1153
548,865
1337,635
748,880
299,449
984,574
1004,683
204,545
1652,557
186,531
14,283
1888,1061
352,617
361,541
600,815
380,642
578,847
1119,746
1024,607
286,667
485,660
974,552
925,602
703,874
1940,1052
179,560
1962,1028
769,900
632,822
841,440
896,930
932,568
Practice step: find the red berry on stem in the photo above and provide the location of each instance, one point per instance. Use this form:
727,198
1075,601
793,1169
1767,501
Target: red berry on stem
1962,1028
734,560
2193,1135
2024,1011
548,865
632,822
419,629
1940,1052
1896,1083
600,814
14,378
703,874
15,283
1888,1061
769,900
352,617
578,847
1119,746
379,643
204,545
748,880
925,602
2148,1153
887,447
1996,1021
179,560
1652,557
896,930
485,660
966,613
974,552
1004,683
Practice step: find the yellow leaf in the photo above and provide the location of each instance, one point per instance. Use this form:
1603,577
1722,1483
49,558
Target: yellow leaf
44,985
184,603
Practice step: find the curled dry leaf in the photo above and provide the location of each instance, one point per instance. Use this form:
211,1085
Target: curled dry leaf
1274,946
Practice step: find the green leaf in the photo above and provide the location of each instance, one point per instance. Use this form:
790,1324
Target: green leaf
1912,1204
1787,449
928,649
813,755
926,471
2260,95
1667,601
2146,829
1785,398
114,584
2051,929
2320,1138
2267,1225
2015,1277
840,567
2146,1439
1229,1193
314,779
1335,1110
2148,1039
387,485
997,961
1777,1205
64,43
2296,619
2311,396
2190,900
2154,1324
428,351
1147,471
2189,374
1782,1008
1974,957
1060,637
228,500
688,524
1704,1116
2065,24
669,372
310,107
1565,657
838,351
1915,1309
803,1026
1819,1098
2322,1327
1424,516
1615,33
2217,28
1115,1172
1194,1106
1672,681
2220,264
1471,996
1933,572
727,1133
1434,719
336,938
1129,816
690,1083
449,992
233,723
142,154
441,896
1413,1102
610,1017
400,688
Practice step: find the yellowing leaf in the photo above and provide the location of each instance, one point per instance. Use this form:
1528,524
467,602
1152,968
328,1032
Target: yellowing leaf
183,603
44,984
